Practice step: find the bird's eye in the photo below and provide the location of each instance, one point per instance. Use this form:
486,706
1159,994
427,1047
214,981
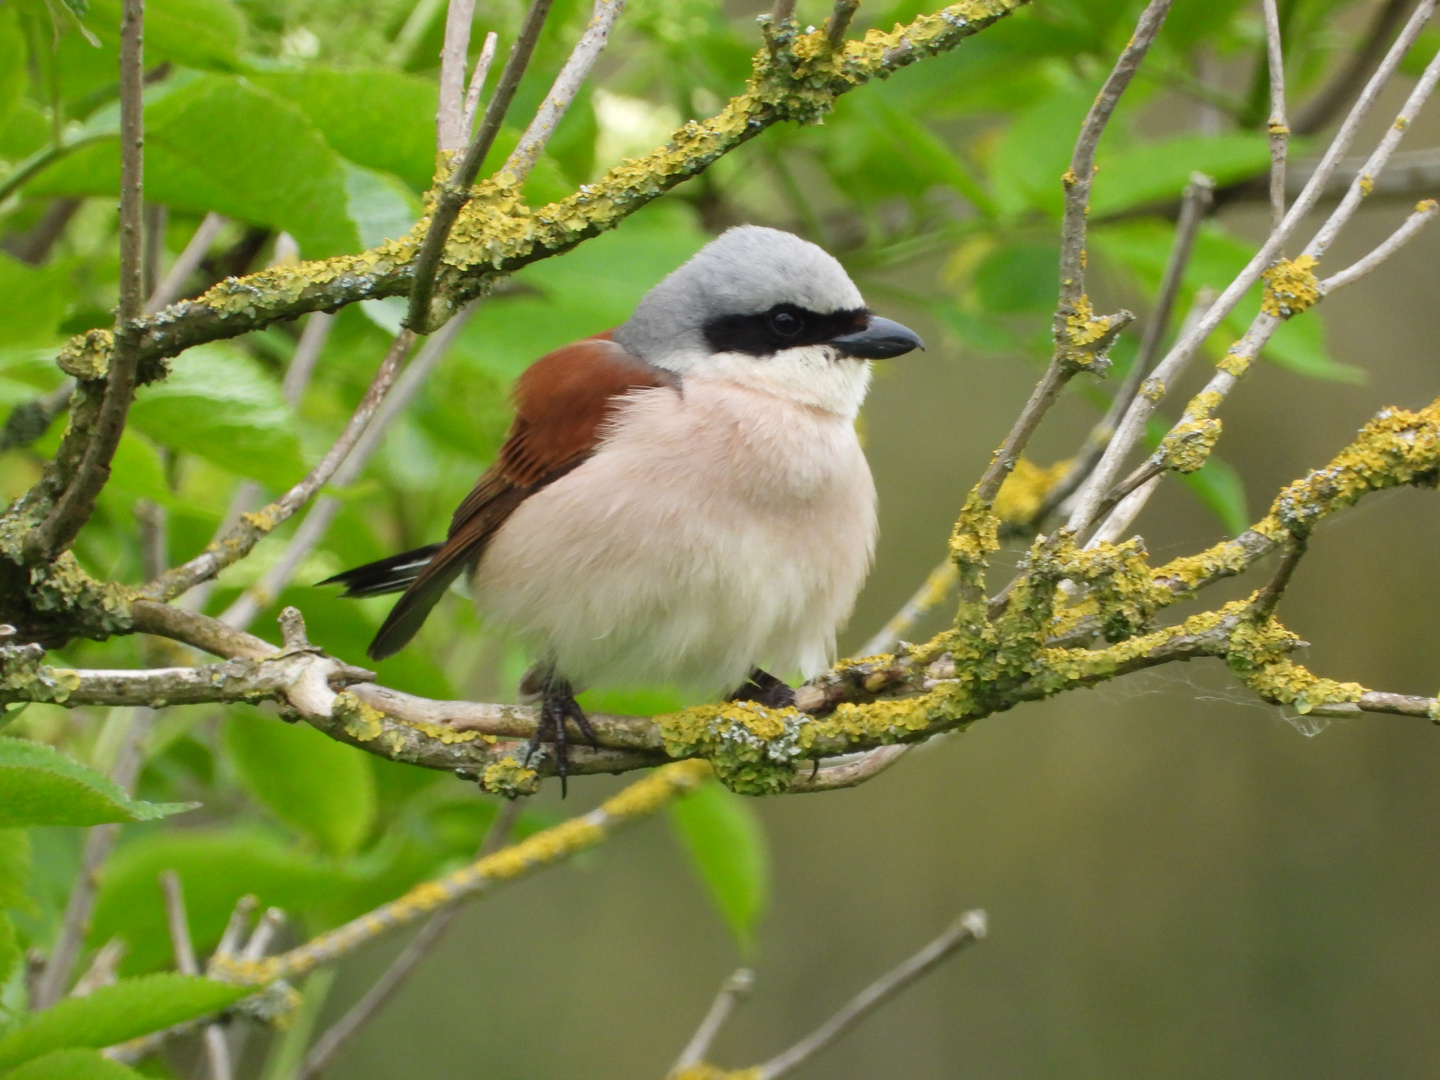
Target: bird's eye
785,324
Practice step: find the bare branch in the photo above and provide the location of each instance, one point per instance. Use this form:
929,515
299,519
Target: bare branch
782,12
567,84
75,505
853,773
732,991
171,285
1081,173
477,82
1279,131
839,21
1132,425
450,131
317,522
966,930
455,192
333,1040
217,1049
1074,320
546,848
1422,216
252,528
1326,104
99,843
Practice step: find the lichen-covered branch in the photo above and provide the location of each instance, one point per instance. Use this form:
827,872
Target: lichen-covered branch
638,801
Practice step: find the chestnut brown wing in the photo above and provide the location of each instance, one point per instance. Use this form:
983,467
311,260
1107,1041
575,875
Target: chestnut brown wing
561,404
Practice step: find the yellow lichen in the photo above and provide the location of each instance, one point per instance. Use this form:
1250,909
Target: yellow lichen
1290,287
1187,446
1024,490
509,778
705,1071
362,722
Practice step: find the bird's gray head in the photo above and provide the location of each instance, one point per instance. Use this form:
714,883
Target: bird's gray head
758,292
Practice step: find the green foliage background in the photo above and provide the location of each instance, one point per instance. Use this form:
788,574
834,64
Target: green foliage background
939,189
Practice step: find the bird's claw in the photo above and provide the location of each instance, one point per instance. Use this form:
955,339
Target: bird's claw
557,706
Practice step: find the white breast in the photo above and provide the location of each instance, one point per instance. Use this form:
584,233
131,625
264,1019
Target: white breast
716,529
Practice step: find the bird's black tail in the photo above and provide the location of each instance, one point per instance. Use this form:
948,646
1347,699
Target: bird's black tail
391,575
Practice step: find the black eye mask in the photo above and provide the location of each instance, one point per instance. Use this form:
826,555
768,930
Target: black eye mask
784,326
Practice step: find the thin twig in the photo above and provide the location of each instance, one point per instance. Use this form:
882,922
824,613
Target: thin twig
455,192
99,843
562,92
965,930
839,22
1077,180
1423,214
75,505
317,522
477,83
1195,204
1276,125
1132,425
1081,174
732,991
171,285
330,1043
1127,508
451,134
217,1048
252,528
782,12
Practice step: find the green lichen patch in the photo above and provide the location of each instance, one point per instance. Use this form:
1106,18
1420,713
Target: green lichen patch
24,676
753,749
1187,446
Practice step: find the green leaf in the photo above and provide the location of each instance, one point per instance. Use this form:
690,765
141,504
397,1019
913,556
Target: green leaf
1218,485
12,62
14,869
1298,345
35,300
1035,151
204,34
40,786
73,1065
726,841
394,132
218,143
9,949
1018,277
221,404
322,787
1151,171
217,867
379,205
112,1014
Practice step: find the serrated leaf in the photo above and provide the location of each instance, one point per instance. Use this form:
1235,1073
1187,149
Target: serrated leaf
41,786
221,404
216,867
216,142
73,1065
726,842
322,787
112,1014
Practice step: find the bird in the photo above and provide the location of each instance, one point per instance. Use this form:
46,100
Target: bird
683,499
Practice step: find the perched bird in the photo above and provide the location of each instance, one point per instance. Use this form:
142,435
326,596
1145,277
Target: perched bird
683,499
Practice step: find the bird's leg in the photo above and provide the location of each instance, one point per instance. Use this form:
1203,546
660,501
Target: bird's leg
765,689
557,705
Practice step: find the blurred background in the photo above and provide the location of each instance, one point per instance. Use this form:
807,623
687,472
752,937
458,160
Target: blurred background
1181,881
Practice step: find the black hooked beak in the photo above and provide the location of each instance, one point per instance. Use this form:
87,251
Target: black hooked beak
880,340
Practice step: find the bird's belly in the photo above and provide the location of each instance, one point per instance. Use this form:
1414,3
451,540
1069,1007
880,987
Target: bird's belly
651,562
